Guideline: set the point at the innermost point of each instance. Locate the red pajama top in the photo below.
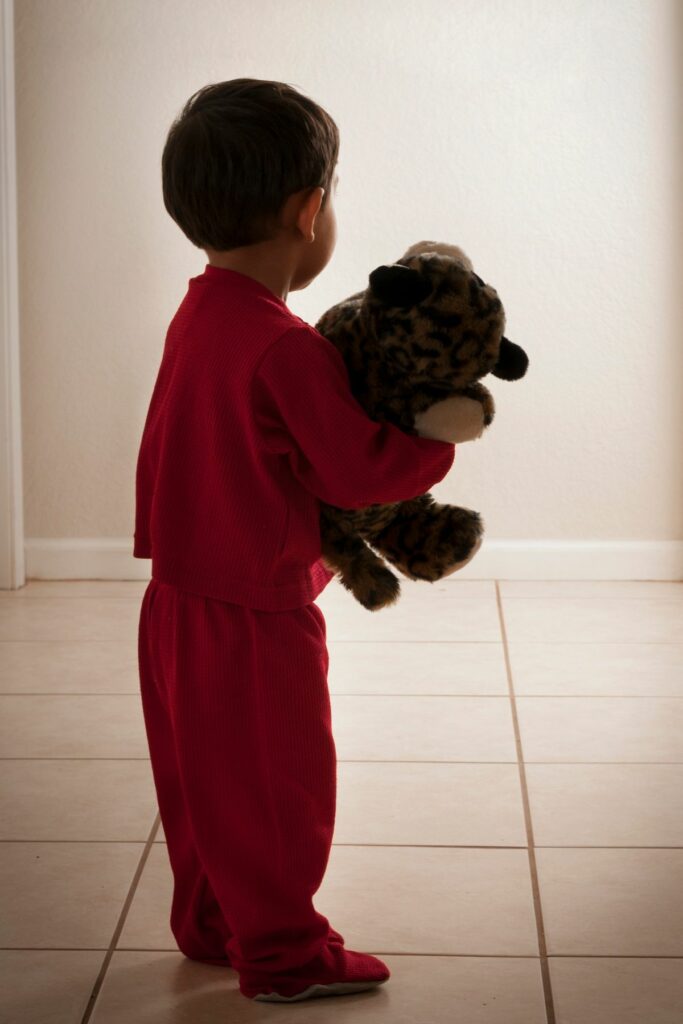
(251, 424)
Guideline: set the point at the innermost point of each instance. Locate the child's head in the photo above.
(250, 165)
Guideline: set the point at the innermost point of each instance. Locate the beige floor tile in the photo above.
(66, 725)
(78, 588)
(588, 669)
(450, 804)
(74, 619)
(368, 728)
(406, 899)
(167, 988)
(396, 899)
(417, 668)
(419, 696)
(612, 902)
(158, 988)
(63, 667)
(601, 728)
(47, 986)
(364, 667)
(606, 804)
(642, 589)
(76, 800)
(596, 620)
(448, 614)
(617, 990)
(418, 592)
(453, 585)
(60, 895)
(147, 924)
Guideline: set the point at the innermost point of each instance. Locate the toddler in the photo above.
(251, 424)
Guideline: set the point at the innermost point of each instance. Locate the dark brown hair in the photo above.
(234, 154)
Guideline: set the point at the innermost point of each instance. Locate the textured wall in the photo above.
(538, 136)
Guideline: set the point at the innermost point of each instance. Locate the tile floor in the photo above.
(509, 835)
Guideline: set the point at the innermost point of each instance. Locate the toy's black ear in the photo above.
(512, 361)
(397, 285)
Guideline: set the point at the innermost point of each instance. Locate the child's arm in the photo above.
(304, 407)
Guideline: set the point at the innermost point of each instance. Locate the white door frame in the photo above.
(12, 563)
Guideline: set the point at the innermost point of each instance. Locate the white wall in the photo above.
(541, 137)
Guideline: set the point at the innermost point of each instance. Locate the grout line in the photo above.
(671, 598)
(357, 760)
(84, 642)
(538, 912)
(616, 956)
(365, 693)
(382, 952)
(119, 925)
(399, 846)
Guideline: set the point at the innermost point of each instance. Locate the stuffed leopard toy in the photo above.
(415, 344)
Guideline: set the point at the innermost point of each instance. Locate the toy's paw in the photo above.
(459, 565)
(470, 536)
(444, 539)
(455, 419)
(375, 589)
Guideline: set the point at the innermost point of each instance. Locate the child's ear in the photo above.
(396, 285)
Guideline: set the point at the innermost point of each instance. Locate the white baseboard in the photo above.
(101, 558)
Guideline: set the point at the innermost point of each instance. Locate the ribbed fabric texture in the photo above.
(251, 424)
(238, 720)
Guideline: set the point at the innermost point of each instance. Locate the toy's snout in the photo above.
(512, 362)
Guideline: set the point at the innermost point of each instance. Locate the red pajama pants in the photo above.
(237, 714)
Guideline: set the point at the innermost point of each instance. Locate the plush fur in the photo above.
(415, 343)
